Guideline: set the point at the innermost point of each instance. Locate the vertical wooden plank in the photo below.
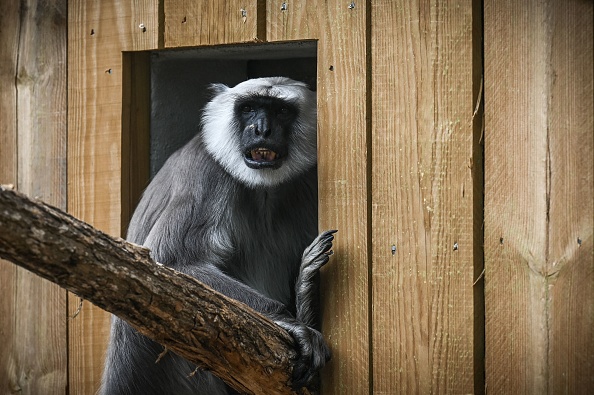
(343, 176)
(93, 165)
(515, 196)
(570, 249)
(190, 22)
(422, 202)
(98, 32)
(41, 102)
(402, 120)
(9, 48)
(538, 196)
(32, 156)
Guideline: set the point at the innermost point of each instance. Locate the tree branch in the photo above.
(242, 347)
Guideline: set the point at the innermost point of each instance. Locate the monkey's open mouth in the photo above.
(263, 155)
(259, 158)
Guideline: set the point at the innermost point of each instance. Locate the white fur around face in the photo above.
(222, 139)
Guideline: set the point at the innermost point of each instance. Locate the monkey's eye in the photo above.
(247, 108)
(283, 110)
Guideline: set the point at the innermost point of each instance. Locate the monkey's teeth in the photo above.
(263, 154)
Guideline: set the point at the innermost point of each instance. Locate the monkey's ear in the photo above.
(216, 89)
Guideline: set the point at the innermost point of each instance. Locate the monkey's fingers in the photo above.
(313, 353)
(320, 247)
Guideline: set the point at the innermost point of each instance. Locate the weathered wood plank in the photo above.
(98, 32)
(9, 49)
(343, 176)
(515, 196)
(32, 156)
(570, 262)
(422, 197)
(10, 22)
(538, 196)
(191, 23)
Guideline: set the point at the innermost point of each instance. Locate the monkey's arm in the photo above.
(313, 350)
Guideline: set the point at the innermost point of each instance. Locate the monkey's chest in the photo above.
(267, 254)
(270, 268)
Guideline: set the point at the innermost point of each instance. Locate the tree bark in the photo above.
(242, 347)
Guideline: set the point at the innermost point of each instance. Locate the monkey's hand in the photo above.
(314, 257)
(313, 352)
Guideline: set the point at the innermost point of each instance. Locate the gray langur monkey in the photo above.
(235, 208)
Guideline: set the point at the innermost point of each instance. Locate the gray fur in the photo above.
(244, 240)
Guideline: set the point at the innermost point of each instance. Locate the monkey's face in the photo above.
(262, 131)
(265, 124)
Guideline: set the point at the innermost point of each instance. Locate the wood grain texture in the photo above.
(422, 197)
(515, 196)
(9, 49)
(98, 32)
(298, 20)
(539, 286)
(203, 22)
(32, 157)
(343, 179)
(571, 198)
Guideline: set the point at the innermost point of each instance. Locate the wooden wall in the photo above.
(33, 105)
(430, 113)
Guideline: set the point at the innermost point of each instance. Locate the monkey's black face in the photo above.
(265, 124)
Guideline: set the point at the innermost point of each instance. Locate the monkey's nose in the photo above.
(265, 133)
(262, 128)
